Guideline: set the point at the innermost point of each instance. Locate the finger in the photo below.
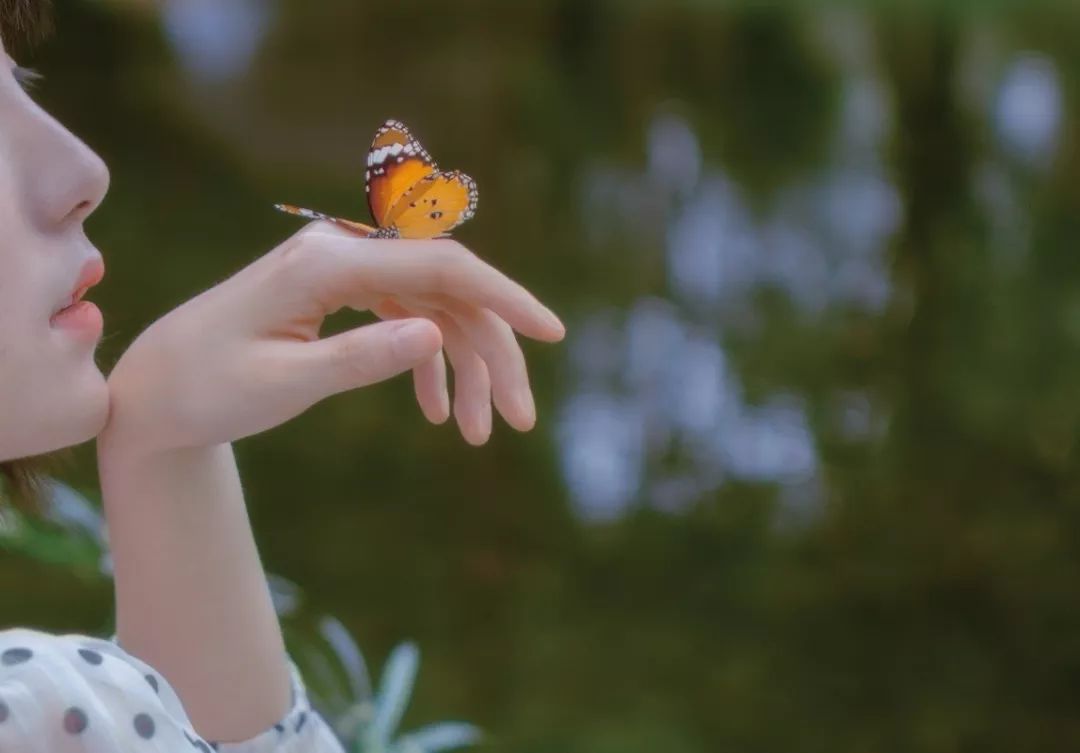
(429, 382)
(343, 266)
(364, 355)
(429, 377)
(472, 384)
(494, 341)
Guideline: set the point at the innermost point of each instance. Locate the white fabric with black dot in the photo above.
(78, 694)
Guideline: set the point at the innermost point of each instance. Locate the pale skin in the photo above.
(238, 359)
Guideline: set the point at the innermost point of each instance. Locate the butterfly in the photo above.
(409, 197)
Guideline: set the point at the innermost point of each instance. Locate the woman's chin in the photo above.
(94, 409)
(100, 416)
(76, 417)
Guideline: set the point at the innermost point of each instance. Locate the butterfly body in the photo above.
(409, 197)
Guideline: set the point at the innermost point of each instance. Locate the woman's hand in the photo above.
(245, 355)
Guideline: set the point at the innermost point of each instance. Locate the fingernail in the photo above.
(554, 322)
(476, 430)
(526, 407)
(412, 340)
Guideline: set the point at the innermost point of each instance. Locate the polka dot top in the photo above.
(78, 694)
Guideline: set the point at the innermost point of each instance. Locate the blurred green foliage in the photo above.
(926, 602)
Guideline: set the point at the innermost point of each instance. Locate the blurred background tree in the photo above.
(805, 473)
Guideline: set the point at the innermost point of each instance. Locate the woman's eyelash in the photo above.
(26, 77)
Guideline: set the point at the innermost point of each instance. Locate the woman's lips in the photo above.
(78, 318)
(91, 274)
(82, 318)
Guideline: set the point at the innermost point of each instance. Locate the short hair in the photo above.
(24, 21)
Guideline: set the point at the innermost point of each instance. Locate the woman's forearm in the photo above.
(191, 594)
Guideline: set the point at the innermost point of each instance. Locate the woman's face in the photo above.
(52, 393)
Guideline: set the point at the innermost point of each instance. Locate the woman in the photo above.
(198, 659)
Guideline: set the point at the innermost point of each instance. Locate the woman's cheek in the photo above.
(52, 393)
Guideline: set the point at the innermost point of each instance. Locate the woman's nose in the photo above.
(70, 180)
(86, 185)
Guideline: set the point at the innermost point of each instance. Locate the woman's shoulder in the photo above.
(62, 680)
(17, 632)
(19, 645)
(71, 691)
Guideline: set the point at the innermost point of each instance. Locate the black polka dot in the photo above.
(144, 725)
(16, 656)
(75, 720)
(92, 657)
(300, 721)
(153, 682)
(4, 712)
(279, 728)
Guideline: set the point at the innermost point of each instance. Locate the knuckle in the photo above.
(347, 352)
(452, 262)
(354, 358)
(461, 255)
(452, 246)
(296, 247)
(298, 255)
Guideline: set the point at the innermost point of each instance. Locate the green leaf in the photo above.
(349, 655)
(395, 689)
(438, 737)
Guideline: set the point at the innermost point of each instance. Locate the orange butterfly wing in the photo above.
(407, 194)
(396, 162)
(435, 205)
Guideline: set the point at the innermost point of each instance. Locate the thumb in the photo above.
(369, 354)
